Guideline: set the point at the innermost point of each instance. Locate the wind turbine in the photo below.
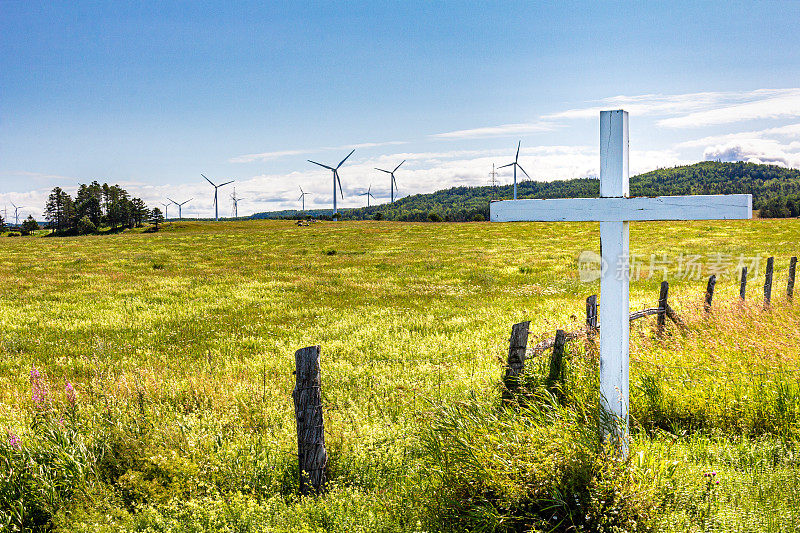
(303, 197)
(392, 182)
(216, 187)
(367, 194)
(16, 212)
(235, 200)
(515, 164)
(335, 178)
(166, 209)
(180, 205)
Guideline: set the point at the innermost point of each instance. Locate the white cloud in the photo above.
(766, 151)
(265, 156)
(764, 105)
(698, 109)
(497, 131)
(648, 104)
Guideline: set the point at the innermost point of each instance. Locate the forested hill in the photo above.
(775, 190)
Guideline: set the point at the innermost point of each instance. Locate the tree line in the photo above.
(93, 207)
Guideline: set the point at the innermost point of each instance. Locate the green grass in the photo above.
(180, 345)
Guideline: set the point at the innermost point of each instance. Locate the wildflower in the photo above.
(70, 390)
(38, 389)
(13, 440)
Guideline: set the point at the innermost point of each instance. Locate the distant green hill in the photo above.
(775, 190)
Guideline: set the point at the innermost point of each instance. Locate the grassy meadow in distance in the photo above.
(179, 345)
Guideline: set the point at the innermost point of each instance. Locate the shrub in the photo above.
(477, 217)
(86, 226)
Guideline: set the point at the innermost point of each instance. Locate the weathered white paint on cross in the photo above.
(613, 210)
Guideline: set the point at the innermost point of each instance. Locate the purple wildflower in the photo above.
(70, 390)
(13, 440)
(38, 389)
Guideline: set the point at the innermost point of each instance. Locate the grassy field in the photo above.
(179, 347)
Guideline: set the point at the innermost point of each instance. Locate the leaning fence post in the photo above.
(662, 307)
(591, 313)
(557, 360)
(768, 282)
(517, 346)
(790, 283)
(307, 395)
(712, 281)
(743, 284)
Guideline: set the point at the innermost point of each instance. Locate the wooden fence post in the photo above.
(662, 307)
(517, 346)
(557, 361)
(790, 283)
(591, 327)
(743, 283)
(768, 282)
(307, 395)
(591, 314)
(712, 281)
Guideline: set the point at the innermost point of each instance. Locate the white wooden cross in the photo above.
(613, 210)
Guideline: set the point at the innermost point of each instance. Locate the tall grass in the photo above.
(179, 345)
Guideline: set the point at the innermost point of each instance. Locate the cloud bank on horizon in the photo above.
(666, 130)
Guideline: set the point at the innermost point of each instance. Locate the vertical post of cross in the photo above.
(614, 292)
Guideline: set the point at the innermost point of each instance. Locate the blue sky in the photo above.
(149, 95)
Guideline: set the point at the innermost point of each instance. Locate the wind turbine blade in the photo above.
(301, 190)
(345, 159)
(173, 201)
(523, 171)
(395, 182)
(517, 158)
(398, 166)
(320, 164)
(208, 180)
(508, 165)
(340, 183)
(387, 171)
(227, 182)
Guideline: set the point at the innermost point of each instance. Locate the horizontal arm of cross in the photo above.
(699, 207)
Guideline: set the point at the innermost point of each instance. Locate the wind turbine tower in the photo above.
(180, 205)
(392, 182)
(335, 178)
(515, 164)
(368, 194)
(235, 201)
(216, 189)
(303, 197)
(166, 209)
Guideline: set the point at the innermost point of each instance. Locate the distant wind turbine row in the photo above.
(337, 182)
